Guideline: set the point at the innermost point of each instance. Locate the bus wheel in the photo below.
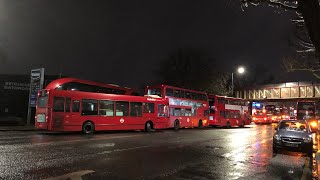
(242, 124)
(149, 126)
(176, 125)
(228, 125)
(200, 125)
(88, 127)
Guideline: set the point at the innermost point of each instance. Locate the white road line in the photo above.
(71, 176)
(67, 142)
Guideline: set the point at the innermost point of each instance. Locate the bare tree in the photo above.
(193, 68)
(187, 67)
(219, 85)
(307, 42)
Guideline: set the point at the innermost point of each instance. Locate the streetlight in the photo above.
(240, 70)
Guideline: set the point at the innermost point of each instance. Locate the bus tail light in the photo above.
(265, 118)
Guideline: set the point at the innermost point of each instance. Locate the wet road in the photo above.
(210, 153)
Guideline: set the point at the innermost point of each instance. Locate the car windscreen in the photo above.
(293, 126)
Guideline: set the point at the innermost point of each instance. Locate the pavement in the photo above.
(209, 153)
(18, 128)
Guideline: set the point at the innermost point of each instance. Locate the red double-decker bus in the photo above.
(61, 109)
(228, 111)
(188, 108)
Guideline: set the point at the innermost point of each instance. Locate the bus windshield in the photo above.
(42, 99)
(154, 91)
(305, 110)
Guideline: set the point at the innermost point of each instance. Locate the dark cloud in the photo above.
(123, 41)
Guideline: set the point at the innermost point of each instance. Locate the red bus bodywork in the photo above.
(74, 84)
(260, 117)
(188, 108)
(228, 111)
(68, 110)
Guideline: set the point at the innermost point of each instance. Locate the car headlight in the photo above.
(277, 137)
(306, 140)
(314, 124)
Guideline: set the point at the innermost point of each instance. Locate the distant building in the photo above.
(14, 98)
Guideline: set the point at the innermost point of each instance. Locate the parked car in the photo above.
(293, 135)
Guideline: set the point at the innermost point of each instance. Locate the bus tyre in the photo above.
(228, 125)
(242, 124)
(200, 125)
(88, 127)
(176, 125)
(149, 126)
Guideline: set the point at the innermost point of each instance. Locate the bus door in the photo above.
(162, 116)
(226, 118)
(136, 120)
(73, 113)
(58, 113)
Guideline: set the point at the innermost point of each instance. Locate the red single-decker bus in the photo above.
(72, 110)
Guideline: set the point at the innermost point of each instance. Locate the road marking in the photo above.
(71, 176)
(306, 169)
(126, 149)
(71, 141)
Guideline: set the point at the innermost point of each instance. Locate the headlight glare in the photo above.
(277, 137)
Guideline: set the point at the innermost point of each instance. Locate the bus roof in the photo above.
(58, 82)
(226, 97)
(173, 87)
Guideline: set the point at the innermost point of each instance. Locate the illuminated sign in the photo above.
(36, 84)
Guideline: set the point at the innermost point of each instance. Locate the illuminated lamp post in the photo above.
(240, 70)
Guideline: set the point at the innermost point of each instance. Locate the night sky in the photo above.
(124, 41)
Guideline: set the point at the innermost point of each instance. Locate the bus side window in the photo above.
(68, 101)
(222, 114)
(188, 95)
(106, 108)
(89, 107)
(58, 104)
(162, 110)
(122, 108)
(136, 109)
(188, 112)
(75, 106)
(169, 92)
(148, 107)
(206, 113)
